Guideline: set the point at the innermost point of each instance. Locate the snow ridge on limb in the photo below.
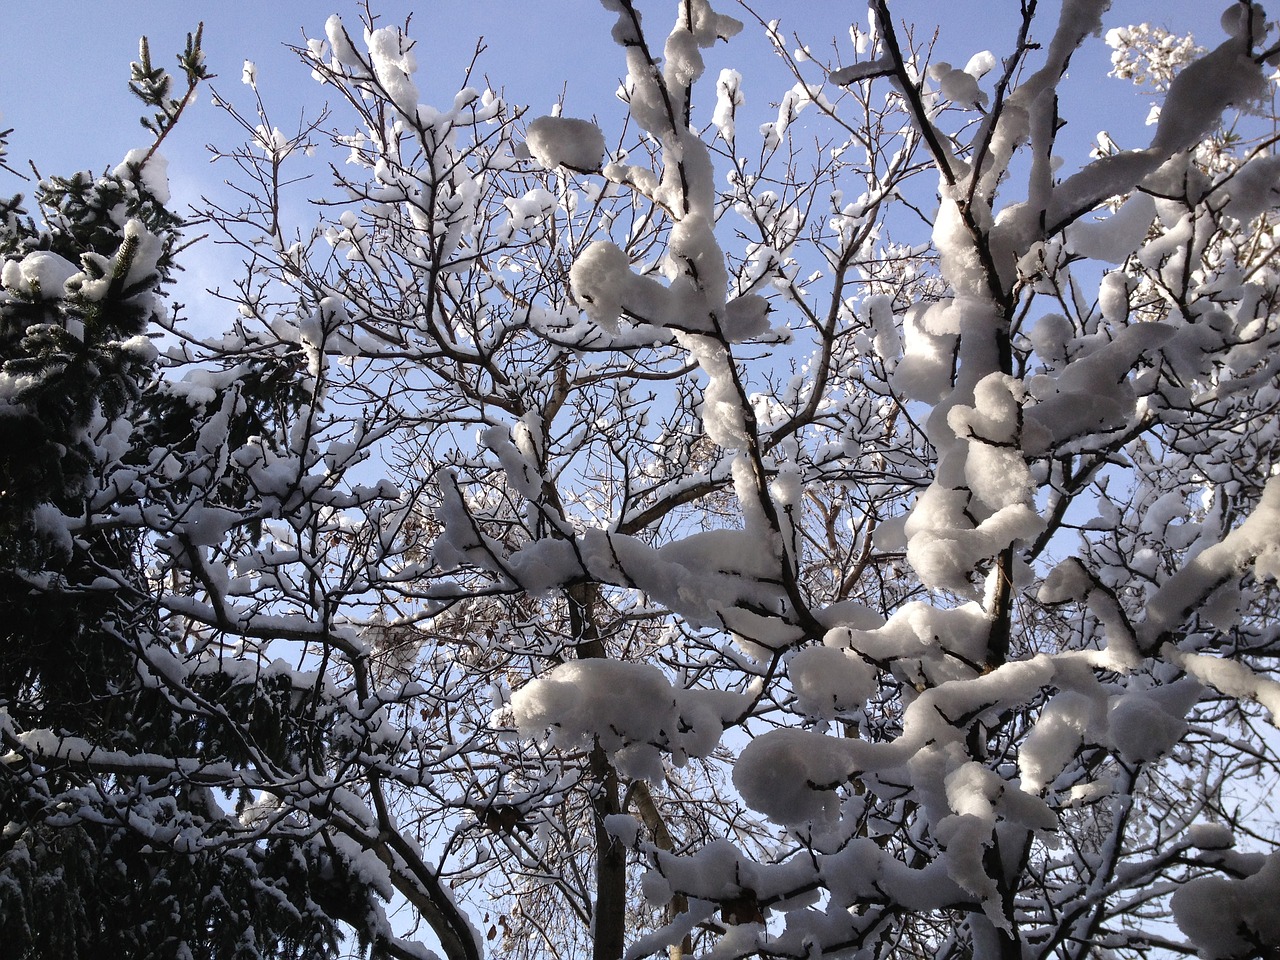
(1227, 76)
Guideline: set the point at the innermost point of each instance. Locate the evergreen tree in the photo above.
(103, 857)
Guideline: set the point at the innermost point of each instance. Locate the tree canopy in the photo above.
(662, 538)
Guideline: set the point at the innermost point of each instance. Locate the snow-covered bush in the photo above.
(610, 539)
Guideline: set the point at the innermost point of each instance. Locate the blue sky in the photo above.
(64, 63)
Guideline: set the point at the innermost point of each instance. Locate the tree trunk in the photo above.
(609, 916)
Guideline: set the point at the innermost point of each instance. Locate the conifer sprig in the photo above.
(153, 85)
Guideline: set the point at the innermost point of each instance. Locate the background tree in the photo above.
(616, 545)
(115, 837)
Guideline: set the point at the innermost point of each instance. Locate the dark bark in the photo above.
(609, 914)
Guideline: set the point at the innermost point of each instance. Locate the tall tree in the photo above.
(659, 542)
(115, 838)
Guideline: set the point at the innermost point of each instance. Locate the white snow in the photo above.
(393, 66)
(631, 709)
(1255, 542)
(1221, 915)
(154, 174)
(605, 286)
(866, 70)
(566, 142)
(340, 44)
(728, 98)
(829, 681)
(789, 775)
(1227, 76)
(958, 86)
(41, 273)
(1117, 235)
(1145, 724)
